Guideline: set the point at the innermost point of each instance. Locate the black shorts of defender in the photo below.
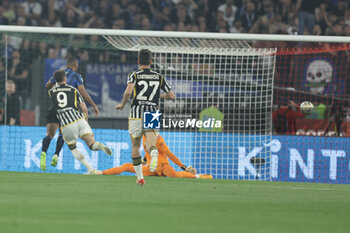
(51, 117)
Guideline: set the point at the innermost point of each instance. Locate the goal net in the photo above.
(214, 80)
(226, 119)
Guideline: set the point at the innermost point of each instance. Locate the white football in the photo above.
(306, 107)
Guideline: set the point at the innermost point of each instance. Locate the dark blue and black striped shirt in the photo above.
(73, 78)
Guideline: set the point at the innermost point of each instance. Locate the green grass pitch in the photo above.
(65, 203)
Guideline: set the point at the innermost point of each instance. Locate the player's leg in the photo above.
(51, 129)
(59, 145)
(147, 172)
(81, 158)
(135, 131)
(95, 145)
(70, 136)
(151, 140)
(169, 171)
(86, 134)
(127, 167)
(136, 159)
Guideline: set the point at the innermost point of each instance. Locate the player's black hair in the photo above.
(71, 61)
(145, 57)
(59, 75)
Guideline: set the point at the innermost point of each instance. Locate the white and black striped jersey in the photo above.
(65, 100)
(146, 91)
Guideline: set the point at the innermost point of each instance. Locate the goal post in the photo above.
(237, 79)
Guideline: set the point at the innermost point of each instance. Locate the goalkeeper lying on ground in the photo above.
(163, 168)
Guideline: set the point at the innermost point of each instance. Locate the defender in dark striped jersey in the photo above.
(145, 85)
(65, 100)
(74, 79)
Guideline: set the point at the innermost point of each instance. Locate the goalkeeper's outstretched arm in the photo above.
(164, 148)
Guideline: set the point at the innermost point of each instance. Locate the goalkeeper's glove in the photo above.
(189, 169)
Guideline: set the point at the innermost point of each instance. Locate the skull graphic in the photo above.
(318, 76)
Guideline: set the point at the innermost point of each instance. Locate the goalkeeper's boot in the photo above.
(104, 148)
(54, 160)
(206, 176)
(43, 161)
(140, 182)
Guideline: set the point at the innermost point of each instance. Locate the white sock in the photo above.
(197, 176)
(86, 164)
(138, 171)
(95, 146)
(80, 157)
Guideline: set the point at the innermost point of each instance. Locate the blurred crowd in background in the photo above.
(316, 17)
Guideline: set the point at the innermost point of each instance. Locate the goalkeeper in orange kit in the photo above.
(163, 168)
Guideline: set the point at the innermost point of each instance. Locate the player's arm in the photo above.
(51, 83)
(83, 108)
(172, 156)
(164, 148)
(88, 99)
(128, 91)
(126, 96)
(169, 94)
(81, 103)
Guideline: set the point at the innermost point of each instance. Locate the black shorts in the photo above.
(51, 117)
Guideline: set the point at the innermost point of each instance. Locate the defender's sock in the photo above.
(59, 144)
(46, 143)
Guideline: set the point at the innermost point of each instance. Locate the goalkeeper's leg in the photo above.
(127, 167)
(170, 172)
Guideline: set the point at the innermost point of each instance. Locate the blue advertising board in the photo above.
(225, 156)
(106, 84)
